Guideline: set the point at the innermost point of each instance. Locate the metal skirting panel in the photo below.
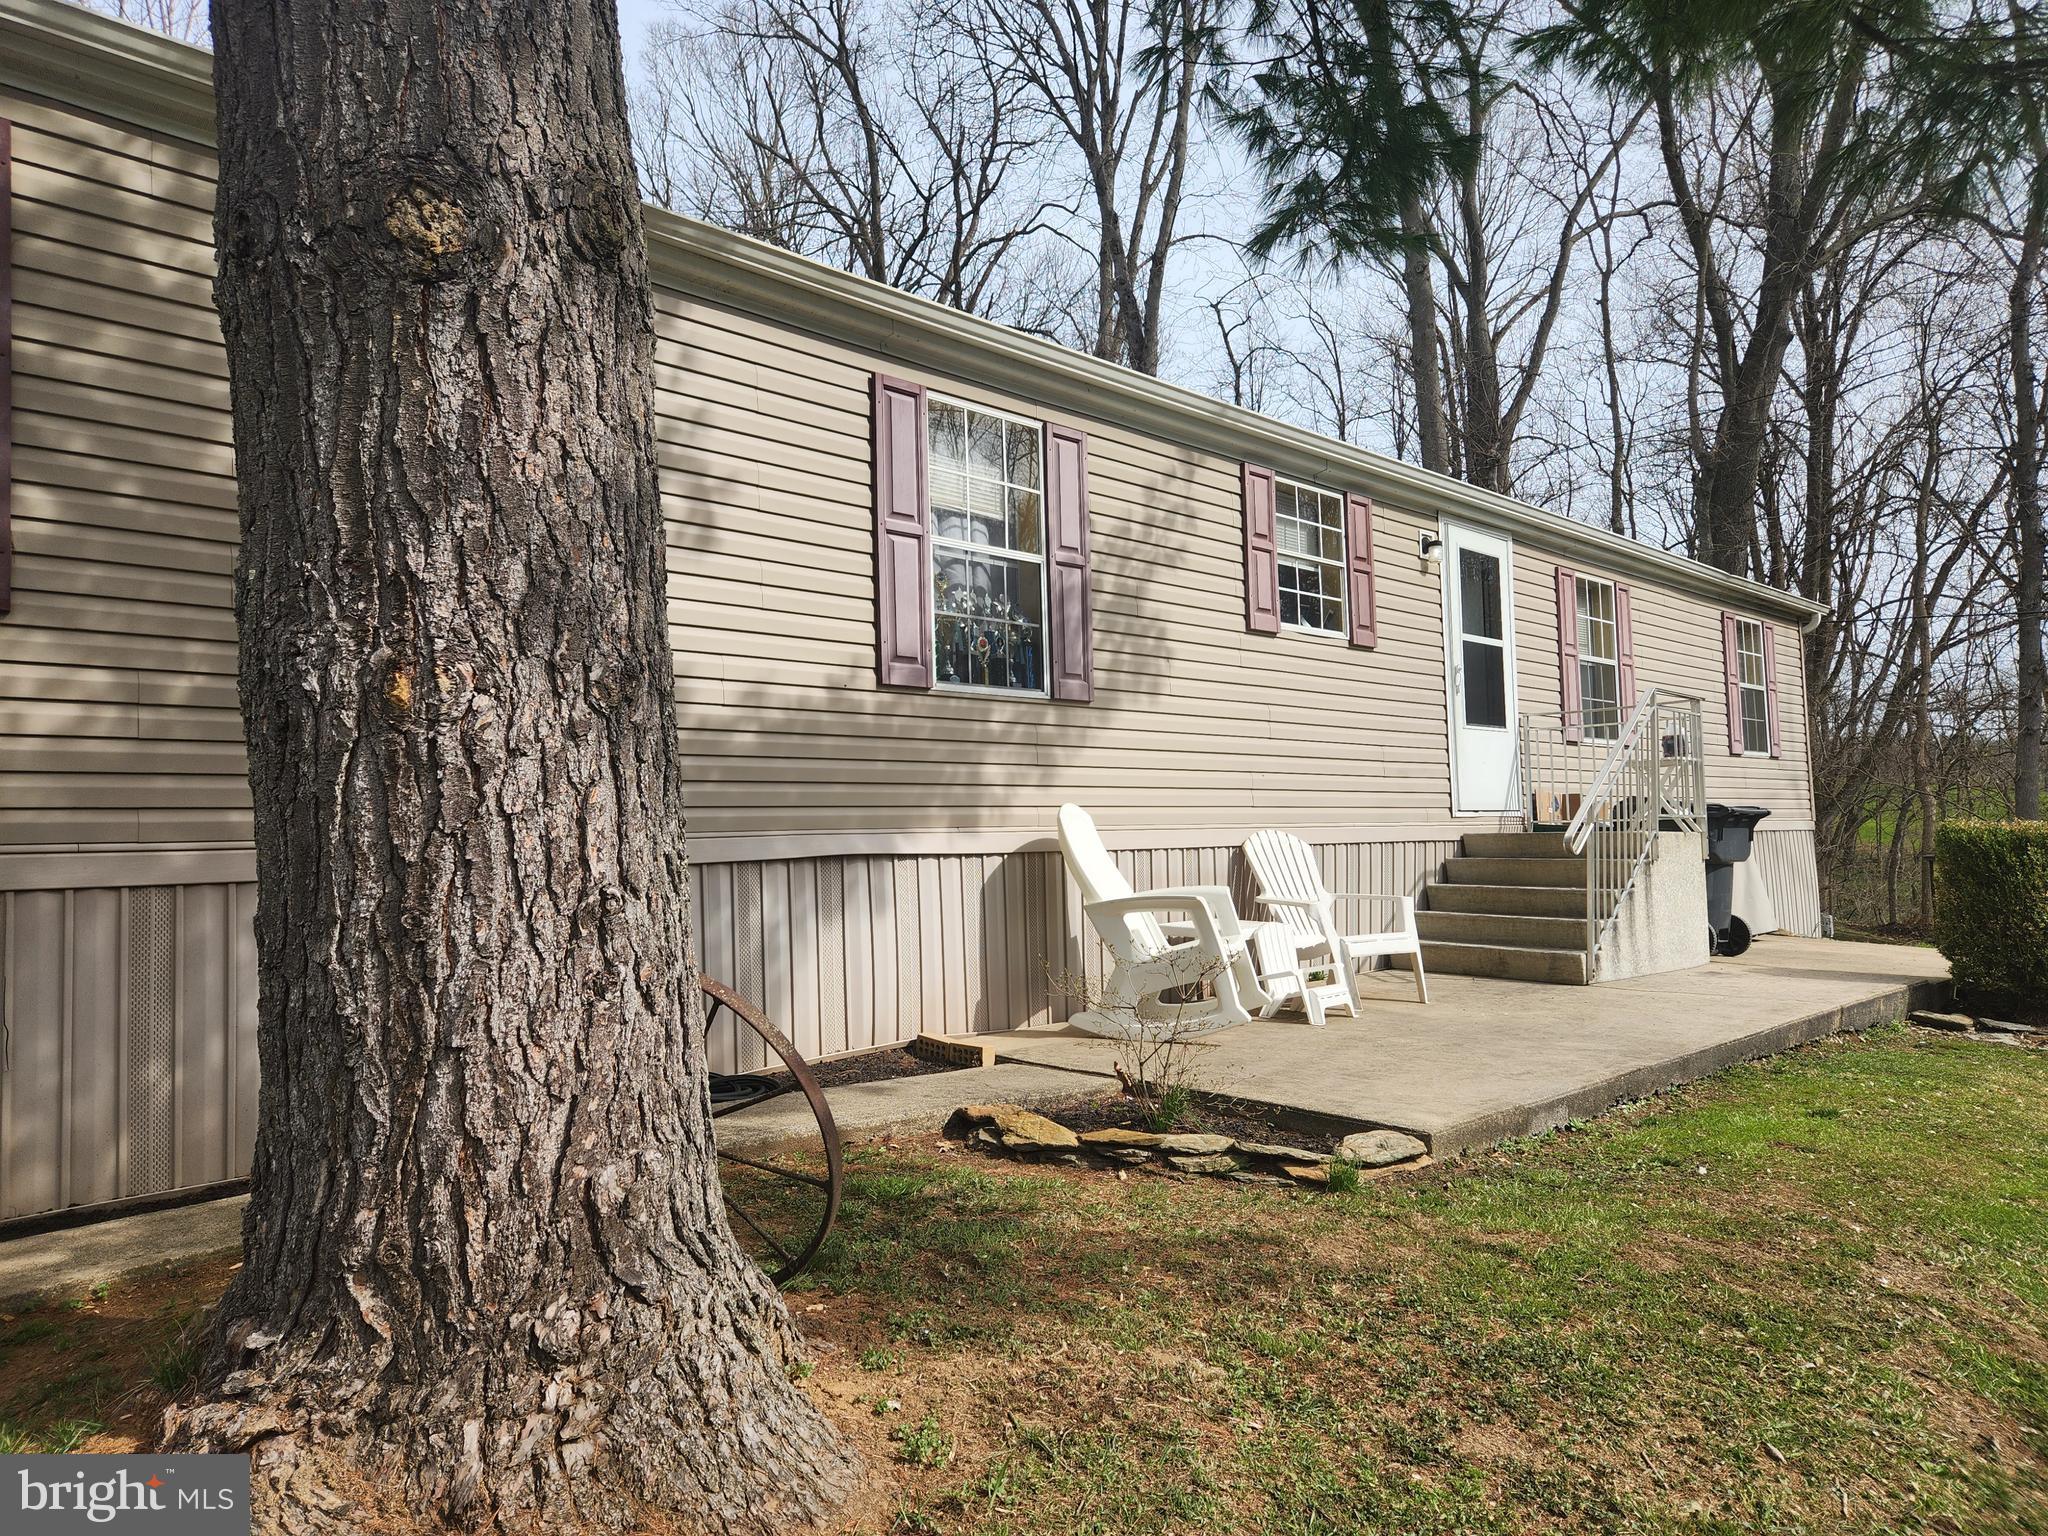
(1792, 877)
(130, 1014)
(853, 952)
(129, 1043)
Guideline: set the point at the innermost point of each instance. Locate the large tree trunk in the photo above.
(1432, 433)
(2029, 543)
(486, 1270)
(1922, 651)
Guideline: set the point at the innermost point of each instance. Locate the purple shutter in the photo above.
(1569, 701)
(1771, 686)
(1261, 554)
(1358, 588)
(1625, 651)
(6, 366)
(1070, 625)
(1731, 666)
(903, 539)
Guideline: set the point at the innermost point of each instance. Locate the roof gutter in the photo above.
(49, 48)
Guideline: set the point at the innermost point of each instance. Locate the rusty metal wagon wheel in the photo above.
(782, 1206)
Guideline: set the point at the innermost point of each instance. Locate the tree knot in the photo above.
(429, 227)
(600, 219)
(398, 690)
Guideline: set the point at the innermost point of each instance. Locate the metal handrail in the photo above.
(1687, 809)
(1651, 770)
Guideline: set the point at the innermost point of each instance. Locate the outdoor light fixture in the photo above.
(1432, 551)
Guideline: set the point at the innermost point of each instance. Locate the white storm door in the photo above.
(1479, 633)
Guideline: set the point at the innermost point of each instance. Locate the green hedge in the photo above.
(1991, 910)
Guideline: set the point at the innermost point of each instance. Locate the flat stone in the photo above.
(1308, 1173)
(1381, 1149)
(1121, 1136)
(1194, 1144)
(2008, 1027)
(1285, 1154)
(1020, 1128)
(1954, 1023)
(1372, 1174)
(1214, 1162)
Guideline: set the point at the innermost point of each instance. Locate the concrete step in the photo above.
(1516, 845)
(1506, 900)
(1502, 929)
(1509, 962)
(1490, 871)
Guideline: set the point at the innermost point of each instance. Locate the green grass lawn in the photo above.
(1809, 1295)
(1814, 1285)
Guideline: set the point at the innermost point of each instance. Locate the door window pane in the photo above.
(1479, 593)
(1486, 684)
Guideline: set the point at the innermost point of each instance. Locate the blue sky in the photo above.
(635, 16)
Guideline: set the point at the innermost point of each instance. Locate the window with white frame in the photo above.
(1755, 695)
(987, 478)
(1308, 528)
(1599, 660)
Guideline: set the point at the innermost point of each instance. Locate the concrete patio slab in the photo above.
(1492, 1059)
(72, 1260)
(1485, 1060)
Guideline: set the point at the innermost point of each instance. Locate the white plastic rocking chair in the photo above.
(1210, 949)
(1291, 887)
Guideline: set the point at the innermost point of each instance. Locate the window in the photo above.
(988, 549)
(1308, 531)
(1599, 660)
(1482, 640)
(1756, 704)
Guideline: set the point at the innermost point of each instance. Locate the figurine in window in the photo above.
(947, 642)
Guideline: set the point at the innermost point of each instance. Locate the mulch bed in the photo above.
(1244, 1122)
(869, 1067)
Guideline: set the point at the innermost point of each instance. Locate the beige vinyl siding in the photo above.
(1677, 646)
(1195, 723)
(118, 719)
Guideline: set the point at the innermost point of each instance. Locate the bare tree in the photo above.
(185, 20)
(2023, 234)
(877, 137)
(1121, 81)
(1826, 152)
(1245, 327)
(1507, 227)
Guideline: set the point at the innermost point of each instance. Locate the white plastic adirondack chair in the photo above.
(1149, 957)
(1291, 886)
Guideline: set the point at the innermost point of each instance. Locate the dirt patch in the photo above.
(94, 1373)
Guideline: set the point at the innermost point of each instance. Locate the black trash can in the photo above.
(1730, 831)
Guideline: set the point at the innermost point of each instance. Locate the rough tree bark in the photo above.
(486, 1268)
(1418, 290)
(2028, 542)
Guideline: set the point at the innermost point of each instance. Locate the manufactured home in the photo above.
(929, 579)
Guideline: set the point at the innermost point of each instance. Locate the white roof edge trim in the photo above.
(91, 61)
